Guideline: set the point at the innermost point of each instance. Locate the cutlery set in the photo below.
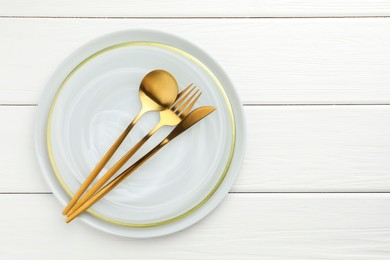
(159, 93)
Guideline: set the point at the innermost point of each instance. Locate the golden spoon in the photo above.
(157, 92)
(191, 119)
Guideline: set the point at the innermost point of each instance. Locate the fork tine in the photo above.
(182, 99)
(189, 107)
(183, 92)
(185, 104)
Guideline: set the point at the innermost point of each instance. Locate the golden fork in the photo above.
(169, 117)
(195, 116)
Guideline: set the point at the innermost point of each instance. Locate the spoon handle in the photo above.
(99, 166)
(111, 172)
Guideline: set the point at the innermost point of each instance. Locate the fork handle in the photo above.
(112, 184)
(111, 172)
(99, 166)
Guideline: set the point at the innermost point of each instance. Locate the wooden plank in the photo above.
(19, 167)
(245, 226)
(189, 8)
(321, 148)
(290, 149)
(275, 61)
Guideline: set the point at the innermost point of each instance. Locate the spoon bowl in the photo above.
(158, 90)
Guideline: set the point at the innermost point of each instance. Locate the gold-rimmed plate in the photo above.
(92, 97)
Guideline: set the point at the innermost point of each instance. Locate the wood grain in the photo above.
(245, 226)
(278, 62)
(312, 149)
(189, 8)
(290, 149)
(271, 61)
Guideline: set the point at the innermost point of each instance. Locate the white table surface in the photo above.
(314, 77)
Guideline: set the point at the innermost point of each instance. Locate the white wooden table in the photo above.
(314, 77)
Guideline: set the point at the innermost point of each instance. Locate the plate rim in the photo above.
(222, 175)
(145, 36)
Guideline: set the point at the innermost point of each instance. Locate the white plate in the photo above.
(93, 96)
